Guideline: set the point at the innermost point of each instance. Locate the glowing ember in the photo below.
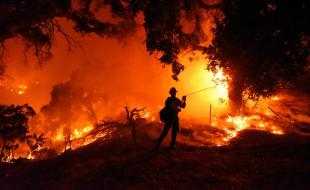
(21, 89)
(30, 156)
(148, 116)
(275, 98)
(14, 86)
(276, 130)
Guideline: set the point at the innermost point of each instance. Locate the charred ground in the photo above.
(254, 160)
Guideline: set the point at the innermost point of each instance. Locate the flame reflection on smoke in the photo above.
(137, 80)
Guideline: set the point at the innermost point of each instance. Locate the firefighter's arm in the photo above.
(183, 102)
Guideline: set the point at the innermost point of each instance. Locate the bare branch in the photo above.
(68, 38)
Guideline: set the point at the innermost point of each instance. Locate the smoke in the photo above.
(91, 83)
(97, 81)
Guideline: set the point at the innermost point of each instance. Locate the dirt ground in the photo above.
(254, 160)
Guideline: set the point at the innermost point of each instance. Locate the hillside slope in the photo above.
(254, 160)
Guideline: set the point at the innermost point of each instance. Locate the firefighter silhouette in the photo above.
(169, 115)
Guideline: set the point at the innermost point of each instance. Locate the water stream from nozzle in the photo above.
(198, 91)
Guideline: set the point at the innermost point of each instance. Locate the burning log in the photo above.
(274, 111)
(99, 130)
(279, 115)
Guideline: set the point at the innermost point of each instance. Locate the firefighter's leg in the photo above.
(175, 129)
(163, 135)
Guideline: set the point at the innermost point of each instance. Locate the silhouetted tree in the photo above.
(132, 116)
(63, 107)
(263, 45)
(13, 126)
(36, 22)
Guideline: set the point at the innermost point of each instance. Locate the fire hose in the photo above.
(198, 91)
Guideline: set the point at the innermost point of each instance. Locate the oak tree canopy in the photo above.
(262, 45)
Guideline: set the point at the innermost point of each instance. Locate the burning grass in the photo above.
(252, 158)
(70, 120)
(223, 128)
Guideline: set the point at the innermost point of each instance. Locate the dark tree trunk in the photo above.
(235, 94)
(2, 151)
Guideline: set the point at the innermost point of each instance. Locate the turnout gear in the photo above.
(169, 115)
